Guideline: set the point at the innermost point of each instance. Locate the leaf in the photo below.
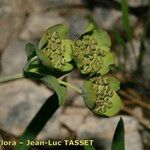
(31, 69)
(114, 83)
(30, 50)
(31, 64)
(91, 24)
(102, 37)
(32, 75)
(35, 70)
(68, 44)
(118, 139)
(38, 122)
(89, 147)
(125, 17)
(51, 81)
(42, 41)
(67, 67)
(60, 28)
(108, 59)
(89, 94)
(44, 59)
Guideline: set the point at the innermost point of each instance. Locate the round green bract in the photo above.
(54, 50)
(100, 95)
(92, 53)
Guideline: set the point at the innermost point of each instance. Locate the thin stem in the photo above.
(11, 77)
(20, 75)
(70, 85)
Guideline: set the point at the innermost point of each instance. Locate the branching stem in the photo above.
(70, 85)
(20, 75)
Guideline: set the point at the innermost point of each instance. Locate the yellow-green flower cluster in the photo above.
(102, 98)
(103, 94)
(92, 54)
(55, 51)
(89, 54)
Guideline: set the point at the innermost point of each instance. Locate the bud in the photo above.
(54, 51)
(92, 52)
(100, 95)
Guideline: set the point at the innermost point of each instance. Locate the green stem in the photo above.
(11, 77)
(70, 85)
(20, 75)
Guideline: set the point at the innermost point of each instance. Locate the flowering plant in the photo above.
(56, 56)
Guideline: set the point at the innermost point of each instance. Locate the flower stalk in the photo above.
(20, 75)
(70, 85)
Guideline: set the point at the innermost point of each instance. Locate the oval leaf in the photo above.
(89, 94)
(102, 37)
(30, 50)
(51, 81)
(42, 41)
(114, 83)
